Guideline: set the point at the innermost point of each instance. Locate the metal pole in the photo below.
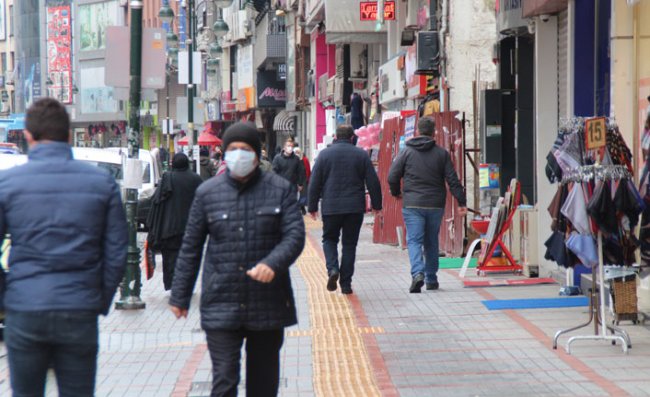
(131, 285)
(169, 127)
(190, 86)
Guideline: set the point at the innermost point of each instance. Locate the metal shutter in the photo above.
(562, 63)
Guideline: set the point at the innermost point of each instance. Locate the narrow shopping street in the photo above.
(380, 341)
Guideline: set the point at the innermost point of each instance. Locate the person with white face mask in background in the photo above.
(255, 233)
(290, 167)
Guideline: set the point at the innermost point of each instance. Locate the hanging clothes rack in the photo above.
(602, 173)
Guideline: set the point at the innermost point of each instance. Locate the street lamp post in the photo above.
(190, 86)
(131, 285)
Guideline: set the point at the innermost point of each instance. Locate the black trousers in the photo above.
(262, 361)
(346, 227)
(169, 263)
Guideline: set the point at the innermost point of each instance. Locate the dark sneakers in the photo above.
(331, 281)
(346, 290)
(433, 286)
(417, 283)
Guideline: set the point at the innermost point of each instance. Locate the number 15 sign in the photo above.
(596, 133)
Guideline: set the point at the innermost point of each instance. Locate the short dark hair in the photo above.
(344, 131)
(426, 126)
(47, 120)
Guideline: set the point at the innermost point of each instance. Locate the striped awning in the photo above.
(284, 122)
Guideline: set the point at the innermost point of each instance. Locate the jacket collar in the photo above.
(243, 186)
(339, 141)
(51, 151)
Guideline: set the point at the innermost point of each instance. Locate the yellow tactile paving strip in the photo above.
(341, 363)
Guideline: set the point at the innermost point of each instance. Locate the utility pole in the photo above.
(190, 87)
(131, 285)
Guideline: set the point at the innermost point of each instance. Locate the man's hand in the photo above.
(262, 273)
(178, 312)
(462, 211)
(313, 215)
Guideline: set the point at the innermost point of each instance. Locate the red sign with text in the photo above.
(369, 10)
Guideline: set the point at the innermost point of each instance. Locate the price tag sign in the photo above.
(596, 133)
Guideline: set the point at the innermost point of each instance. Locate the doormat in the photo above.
(544, 303)
(455, 263)
(507, 283)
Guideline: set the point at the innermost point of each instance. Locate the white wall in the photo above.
(472, 34)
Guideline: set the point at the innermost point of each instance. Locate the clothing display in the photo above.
(596, 194)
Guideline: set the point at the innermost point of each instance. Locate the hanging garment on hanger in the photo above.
(601, 208)
(575, 209)
(558, 222)
(584, 247)
(618, 149)
(626, 203)
(556, 250)
(570, 154)
(553, 169)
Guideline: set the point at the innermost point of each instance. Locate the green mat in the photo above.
(456, 263)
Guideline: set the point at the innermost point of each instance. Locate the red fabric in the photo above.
(305, 161)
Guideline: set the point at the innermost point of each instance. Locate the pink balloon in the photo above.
(361, 132)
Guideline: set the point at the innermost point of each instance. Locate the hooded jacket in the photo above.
(425, 167)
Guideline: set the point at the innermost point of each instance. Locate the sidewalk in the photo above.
(381, 341)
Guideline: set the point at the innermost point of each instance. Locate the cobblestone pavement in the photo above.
(379, 341)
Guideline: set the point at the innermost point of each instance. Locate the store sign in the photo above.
(368, 10)
(282, 71)
(271, 93)
(596, 133)
(59, 58)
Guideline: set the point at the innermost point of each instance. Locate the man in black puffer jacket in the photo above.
(290, 167)
(255, 232)
(424, 167)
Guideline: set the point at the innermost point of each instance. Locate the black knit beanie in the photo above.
(180, 162)
(243, 132)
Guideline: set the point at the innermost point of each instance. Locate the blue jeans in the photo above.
(422, 229)
(347, 228)
(64, 340)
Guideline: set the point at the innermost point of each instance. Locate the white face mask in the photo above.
(288, 150)
(240, 162)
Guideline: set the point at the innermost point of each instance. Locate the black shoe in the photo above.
(347, 290)
(417, 283)
(331, 281)
(433, 286)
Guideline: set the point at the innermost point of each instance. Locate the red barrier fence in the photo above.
(449, 135)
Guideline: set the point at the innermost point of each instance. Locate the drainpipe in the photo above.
(443, 54)
(635, 91)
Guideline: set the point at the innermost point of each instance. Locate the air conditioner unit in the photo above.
(331, 87)
(248, 28)
(338, 90)
(428, 54)
(4, 107)
(322, 87)
(412, 17)
(241, 26)
(9, 77)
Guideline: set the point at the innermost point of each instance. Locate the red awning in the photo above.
(205, 139)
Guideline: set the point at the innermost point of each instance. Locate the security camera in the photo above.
(544, 17)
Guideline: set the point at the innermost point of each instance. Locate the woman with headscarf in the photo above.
(169, 213)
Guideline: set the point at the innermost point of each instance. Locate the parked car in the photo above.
(113, 160)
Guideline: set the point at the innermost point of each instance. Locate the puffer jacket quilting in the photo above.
(246, 225)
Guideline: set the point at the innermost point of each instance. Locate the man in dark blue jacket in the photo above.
(425, 168)
(68, 255)
(255, 232)
(340, 177)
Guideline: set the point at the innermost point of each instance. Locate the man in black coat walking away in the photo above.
(340, 177)
(255, 232)
(170, 209)
(290, 167)
(425, 167)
